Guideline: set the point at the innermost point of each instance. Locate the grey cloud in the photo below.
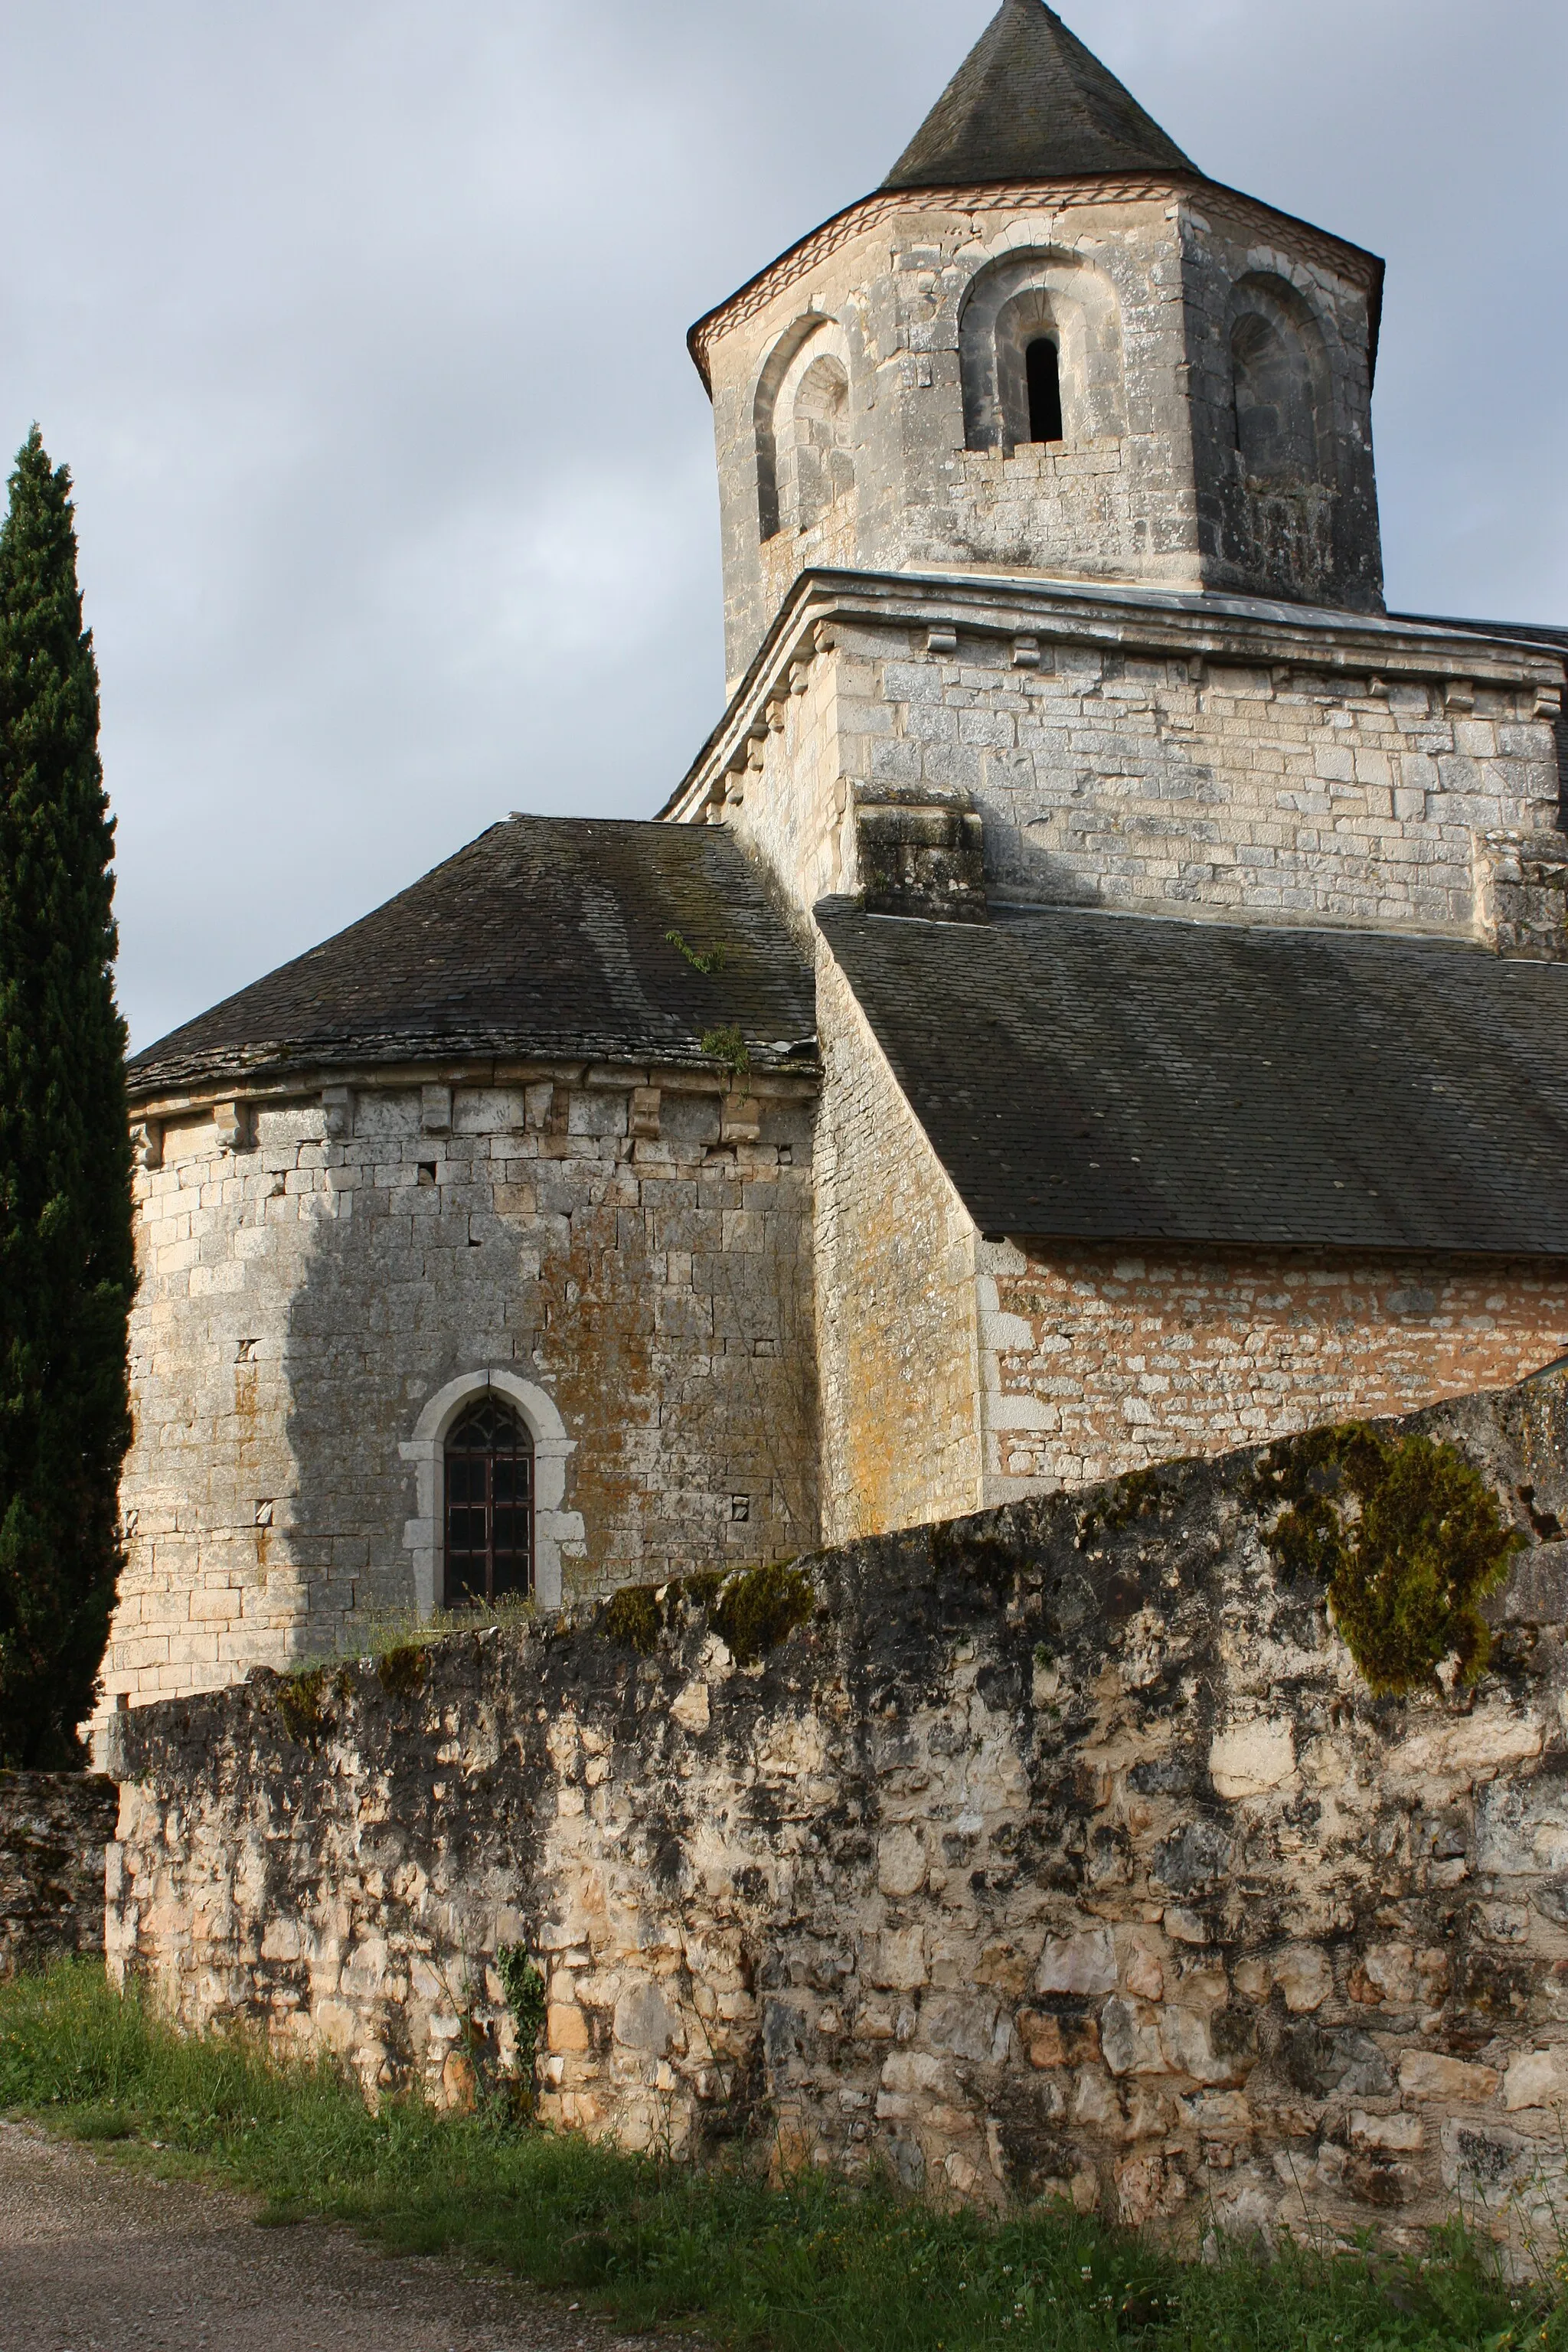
(361, 328)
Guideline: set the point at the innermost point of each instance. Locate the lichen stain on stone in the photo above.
(1408, 1537)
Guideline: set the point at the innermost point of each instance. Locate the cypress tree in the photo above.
(66, 1271)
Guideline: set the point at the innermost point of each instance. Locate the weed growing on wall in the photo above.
(524, 1985)
(301, 1703)
(401, 1670)
(761, 1607)
(1408, 1538)
(752, 1611)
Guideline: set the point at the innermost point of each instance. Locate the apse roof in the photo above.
(1097, 1077)
(1030, 102)
(548, 939)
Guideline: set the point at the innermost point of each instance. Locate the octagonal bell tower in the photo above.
(1048, 346)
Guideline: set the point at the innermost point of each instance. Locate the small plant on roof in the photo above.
(707, 963)
(728, 1046)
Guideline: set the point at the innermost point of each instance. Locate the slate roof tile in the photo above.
(1030, 102)
(1101, 1076)
(545, 939)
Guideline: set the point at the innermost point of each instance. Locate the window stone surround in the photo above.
(553, 1526)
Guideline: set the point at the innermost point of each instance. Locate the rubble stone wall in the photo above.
(1097, 1360)
(314, 1272)
(54, 1830)
(1061, 1850)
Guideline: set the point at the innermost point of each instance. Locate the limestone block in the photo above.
(1426, 2074)
(1084, 1963)
(901, 1863)
(1537, 2078)
(1248, 1759)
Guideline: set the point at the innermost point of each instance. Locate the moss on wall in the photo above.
(752, 1611)
(1408, 1538)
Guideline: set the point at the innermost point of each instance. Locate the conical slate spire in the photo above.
(1030, 102)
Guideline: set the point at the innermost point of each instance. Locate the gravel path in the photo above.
(94, 2255)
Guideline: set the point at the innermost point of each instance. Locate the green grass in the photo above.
(814, 2265)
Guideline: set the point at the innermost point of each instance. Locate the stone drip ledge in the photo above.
(1058, 1849)
(54, 1829)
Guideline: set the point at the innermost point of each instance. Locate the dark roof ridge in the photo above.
(1031, 100)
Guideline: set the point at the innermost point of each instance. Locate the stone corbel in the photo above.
(436, 1110)
(338, 1112)
(921, 858)
(643, 1117)
(147, 1143)
(231, 1122)
(740, 1119)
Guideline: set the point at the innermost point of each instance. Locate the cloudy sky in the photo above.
(360, 323)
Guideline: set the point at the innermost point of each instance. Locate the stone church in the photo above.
(1100, 993)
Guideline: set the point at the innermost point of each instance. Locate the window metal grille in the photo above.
(490, 1506)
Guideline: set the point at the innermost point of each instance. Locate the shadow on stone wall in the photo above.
(54, 1829)
(692, 1412)
(1062, 1849)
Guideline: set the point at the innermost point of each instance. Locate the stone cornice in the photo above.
(1335, 252)
(1338, 646)
(161, 1104)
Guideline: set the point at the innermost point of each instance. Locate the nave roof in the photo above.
(1099, 1076)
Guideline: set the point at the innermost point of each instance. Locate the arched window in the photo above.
(1039, 348)
(490, 1505)
(824, 468)
(1043, 364)
(805, 455)
(1275, 431)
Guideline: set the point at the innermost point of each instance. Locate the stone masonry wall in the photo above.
(1062, 1850)
(54, 1830)
(1099, 1360)
(1292, 776)
(1146, 483)
(313, 1271)
(1116, 779)
(896, 1309)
